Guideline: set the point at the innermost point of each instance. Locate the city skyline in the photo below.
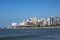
(35, 22)
(18, 10)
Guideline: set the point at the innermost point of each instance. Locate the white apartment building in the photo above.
(41, 22)
(58, 20)
(34, 20)
(22, 23)
(14, 25)
(51, 20)
(48, 21)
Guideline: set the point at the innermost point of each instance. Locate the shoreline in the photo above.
(39, 27)
(32, 27)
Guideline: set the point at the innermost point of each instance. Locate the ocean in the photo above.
(30, 34)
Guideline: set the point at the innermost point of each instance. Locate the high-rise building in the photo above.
(38, 22)
(51, 20)
(58, 20)
(14, 25)
(41, 22)
(54, 22)
(34, 21)
(29, 22)
(22, 23)
(48, 21)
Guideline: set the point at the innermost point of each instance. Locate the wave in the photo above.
(29, 36)
(22, 35)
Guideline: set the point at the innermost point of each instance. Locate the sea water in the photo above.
(30, 34)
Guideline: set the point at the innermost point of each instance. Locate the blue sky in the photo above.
(18, 10)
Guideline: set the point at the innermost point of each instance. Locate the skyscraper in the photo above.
(48, 21)
(51, 20)
(58, 20)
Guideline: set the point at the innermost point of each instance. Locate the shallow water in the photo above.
(30, 34)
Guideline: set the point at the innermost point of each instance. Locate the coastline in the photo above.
(37, 27)
(32, 27)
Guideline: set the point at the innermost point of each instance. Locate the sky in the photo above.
(18, 10)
